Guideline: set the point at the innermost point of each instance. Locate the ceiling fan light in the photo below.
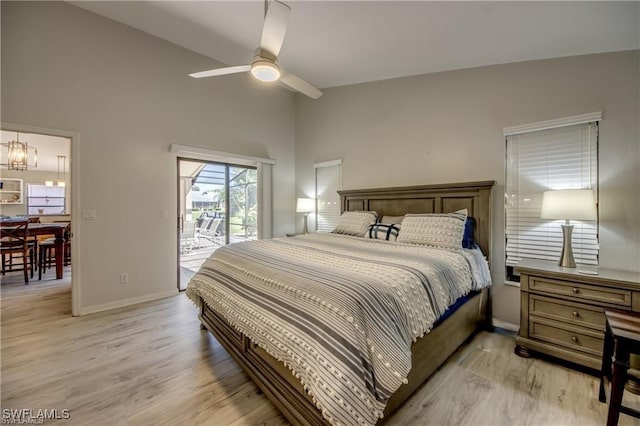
(265, 71)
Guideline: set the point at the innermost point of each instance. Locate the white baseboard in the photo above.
(127, 302)
(505, 325)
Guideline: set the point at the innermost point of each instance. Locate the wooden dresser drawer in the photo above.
(576, 338)
(579, 291)
(570, 312)
(213, 320)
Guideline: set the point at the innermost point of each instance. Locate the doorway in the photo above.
(217, 205)
(39, 187)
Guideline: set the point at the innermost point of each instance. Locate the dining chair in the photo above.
(46, 255)
(15, 241)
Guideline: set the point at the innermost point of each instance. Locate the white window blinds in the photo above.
(536, 161)
(328, 182)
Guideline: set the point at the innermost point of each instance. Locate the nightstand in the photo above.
(562, 310)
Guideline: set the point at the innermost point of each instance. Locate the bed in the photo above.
(300, 387)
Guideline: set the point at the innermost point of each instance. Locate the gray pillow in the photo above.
(443, 230)
(355, 223)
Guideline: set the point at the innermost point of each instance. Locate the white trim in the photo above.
(199, 153)
(504, 325)
(76, 225)
(128, 302)
(265, 209)
(552, 124)
(328, 163)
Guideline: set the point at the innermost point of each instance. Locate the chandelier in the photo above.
(18, 155)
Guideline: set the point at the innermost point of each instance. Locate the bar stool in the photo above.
(621, 338)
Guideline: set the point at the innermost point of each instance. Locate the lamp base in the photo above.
(566, 258)
(305, 230)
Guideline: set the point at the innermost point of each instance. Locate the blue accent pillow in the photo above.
(467, 236)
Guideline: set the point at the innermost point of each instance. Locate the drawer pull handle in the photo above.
(576, 290)
(575, 314)
(574, 339)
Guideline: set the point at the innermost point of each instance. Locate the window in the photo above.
(42, 199)
(328, 182)
(548, 156)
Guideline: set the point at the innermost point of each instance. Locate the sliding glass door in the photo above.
(217, 205)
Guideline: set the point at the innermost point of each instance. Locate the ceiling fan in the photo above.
(264, 66)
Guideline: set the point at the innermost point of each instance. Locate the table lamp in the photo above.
(306, 206)
(568, 204)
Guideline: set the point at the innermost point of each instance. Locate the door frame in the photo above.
(179, 201)
(263, 165)
(76, 226)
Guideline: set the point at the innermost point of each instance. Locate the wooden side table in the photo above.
(562, 309)
(621, 338)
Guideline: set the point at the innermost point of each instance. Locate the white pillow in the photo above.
(434, 229)
(355, 223)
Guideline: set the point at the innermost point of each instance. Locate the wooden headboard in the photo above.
(442, 198)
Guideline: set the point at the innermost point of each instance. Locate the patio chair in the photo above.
(209, 230)
(188, 238)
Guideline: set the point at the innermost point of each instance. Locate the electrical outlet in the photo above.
(124, 278)
(88, 214)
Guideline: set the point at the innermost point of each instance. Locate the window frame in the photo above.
(332, 213)
(29, 197)
(511, 277)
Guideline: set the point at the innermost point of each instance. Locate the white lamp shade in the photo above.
(305, 205)
(569, 204)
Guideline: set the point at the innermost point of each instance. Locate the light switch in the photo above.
(88, 214)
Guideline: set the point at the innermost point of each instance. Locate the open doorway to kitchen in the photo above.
(217, 205)
(35, 186)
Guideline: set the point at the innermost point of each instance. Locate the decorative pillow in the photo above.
(380, 231)
(467, 239)
(355, 223)
(435, 229)
(392, 220)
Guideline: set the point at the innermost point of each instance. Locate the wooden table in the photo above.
(56, 229)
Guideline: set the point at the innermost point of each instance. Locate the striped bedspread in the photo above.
(340, 312)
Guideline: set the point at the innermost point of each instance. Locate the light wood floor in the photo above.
(152, 365)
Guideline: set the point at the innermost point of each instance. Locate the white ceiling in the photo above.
(335, 43)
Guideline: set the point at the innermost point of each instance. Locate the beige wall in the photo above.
(447, 127)
(128, 96)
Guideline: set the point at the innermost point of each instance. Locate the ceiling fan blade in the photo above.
(300, 85)
(275, 26)
(221, 71)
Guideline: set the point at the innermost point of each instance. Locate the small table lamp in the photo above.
(306, 206)
(567, 204)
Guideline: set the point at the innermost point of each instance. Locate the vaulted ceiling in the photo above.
(334, 43)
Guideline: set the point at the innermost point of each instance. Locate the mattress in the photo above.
(340, 312)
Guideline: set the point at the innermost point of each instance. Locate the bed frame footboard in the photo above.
(286, 392)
